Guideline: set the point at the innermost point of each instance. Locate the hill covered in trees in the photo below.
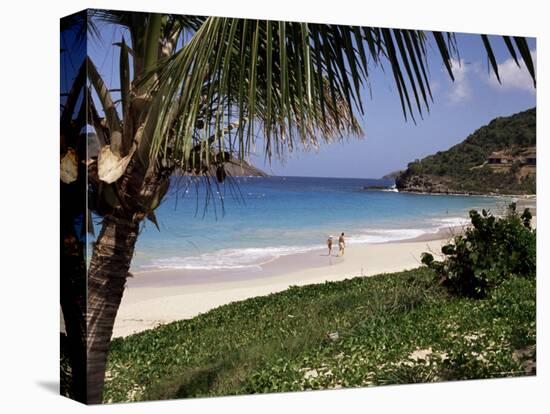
(497, 158)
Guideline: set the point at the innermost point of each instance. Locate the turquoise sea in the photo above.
(247, 222)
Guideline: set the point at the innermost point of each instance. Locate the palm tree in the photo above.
(73, 122)
(198, 92)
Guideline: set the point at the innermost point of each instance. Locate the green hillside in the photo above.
(464, 168)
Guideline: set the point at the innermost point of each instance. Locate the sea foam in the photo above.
(256, 257)
(229, 259)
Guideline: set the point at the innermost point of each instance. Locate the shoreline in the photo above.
(276, 266)
(158, 297)
(206, 264)
(472, 194)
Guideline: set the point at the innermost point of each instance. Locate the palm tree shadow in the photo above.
(199, 380)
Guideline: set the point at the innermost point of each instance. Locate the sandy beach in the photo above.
(159, 297)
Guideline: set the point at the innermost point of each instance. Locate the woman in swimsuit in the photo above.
(329, 245)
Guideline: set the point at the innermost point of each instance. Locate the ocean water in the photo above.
(248, 222)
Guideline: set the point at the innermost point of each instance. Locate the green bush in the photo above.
(490, 251)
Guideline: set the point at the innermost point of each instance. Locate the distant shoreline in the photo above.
(522, 199)
(471, 194)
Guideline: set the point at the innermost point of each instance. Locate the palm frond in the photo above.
(525, 53)
(490, 55)
(287, 83)
(82, 25)
(265, 73)
(172, 26)
(76, 92)
(113, 120)
(124, 73)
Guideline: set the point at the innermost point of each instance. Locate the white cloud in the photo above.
(512, 76)
(460, 90)
(435, 86)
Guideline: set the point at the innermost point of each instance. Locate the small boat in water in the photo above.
(392, 188)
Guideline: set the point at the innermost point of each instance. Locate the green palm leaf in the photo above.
(283, 84)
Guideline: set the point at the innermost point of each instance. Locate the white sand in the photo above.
(150, 300)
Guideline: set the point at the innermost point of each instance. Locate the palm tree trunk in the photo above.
(73, 283)
(107, 275)
(73, 306)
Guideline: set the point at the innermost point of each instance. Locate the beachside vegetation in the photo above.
(492, 250)
(464, 168)
(388, 329)
(398, 328)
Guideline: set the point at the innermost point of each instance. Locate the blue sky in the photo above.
(390, 142)
(459, 108)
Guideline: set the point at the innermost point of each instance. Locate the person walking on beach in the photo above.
(329, 245)
(341, 244)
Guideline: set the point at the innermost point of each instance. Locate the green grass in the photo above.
(392, 329)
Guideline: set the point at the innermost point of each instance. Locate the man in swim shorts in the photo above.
(341, 244)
